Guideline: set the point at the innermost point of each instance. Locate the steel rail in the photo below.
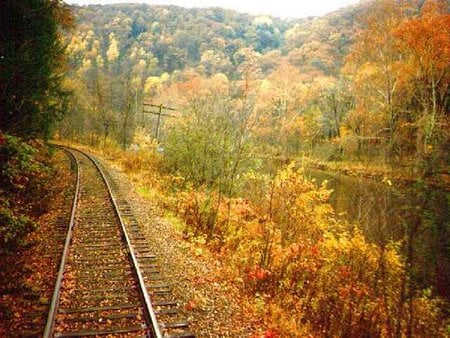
(57, 291)
(153, 326)
(146, 297)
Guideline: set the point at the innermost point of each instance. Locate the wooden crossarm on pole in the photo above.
(159, 113)
(156, 113)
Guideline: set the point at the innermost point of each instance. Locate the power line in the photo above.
(159, 113)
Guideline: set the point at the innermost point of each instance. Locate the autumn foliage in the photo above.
(399, 67)
(368, 86)
(310, 273)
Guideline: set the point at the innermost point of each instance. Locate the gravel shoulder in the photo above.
(215, 305)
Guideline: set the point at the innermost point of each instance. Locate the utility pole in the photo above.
(159, 113)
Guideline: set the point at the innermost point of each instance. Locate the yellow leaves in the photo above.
(76, 44)
(285, 79)
(345, 131)
(387, 181)
(367, 71)
(323, 83)
(265, 86)
(262, 20)
(153, 84)
(165, 77)
(113, 50)
(86, 64)
(213, 61)
(135, 81)
(298, 207)
(220, 78)
(99, 61)
(219, 83)
(198, 252)
(141, 65)
(290, 255)
(144, 140)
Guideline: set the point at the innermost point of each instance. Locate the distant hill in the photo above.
(170, 38)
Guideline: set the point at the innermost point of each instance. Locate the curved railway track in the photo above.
(108, 283)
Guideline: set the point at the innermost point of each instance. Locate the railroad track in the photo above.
(109, 283)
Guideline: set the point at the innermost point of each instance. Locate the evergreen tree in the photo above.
(31, 65)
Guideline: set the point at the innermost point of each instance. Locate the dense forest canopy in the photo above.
(180, 38)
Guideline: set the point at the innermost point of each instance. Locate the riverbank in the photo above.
(400, 176)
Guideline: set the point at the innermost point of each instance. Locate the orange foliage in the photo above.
(425, 40)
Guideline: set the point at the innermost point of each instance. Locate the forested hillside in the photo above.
(336, 86)
(123, 53)
(209, 40)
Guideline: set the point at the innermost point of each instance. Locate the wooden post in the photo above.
(160, 114)
(158, 125)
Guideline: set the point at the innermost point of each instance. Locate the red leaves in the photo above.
(344, 271)
(270, 334)
(315, 251)
(353, 291)
(258, 274)
(426, 39)
(191, 305)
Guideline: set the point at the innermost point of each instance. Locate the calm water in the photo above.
(388, 213)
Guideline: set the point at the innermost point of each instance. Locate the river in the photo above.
(386, 212)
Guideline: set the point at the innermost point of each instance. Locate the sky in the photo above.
(280, 8)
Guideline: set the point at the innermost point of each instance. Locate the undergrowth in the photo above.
(25, 176)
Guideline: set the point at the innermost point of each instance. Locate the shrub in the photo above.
(24, 188)
(13, 228)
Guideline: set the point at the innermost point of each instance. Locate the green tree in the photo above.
(32, 97)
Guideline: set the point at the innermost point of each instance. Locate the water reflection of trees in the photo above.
(415, 217)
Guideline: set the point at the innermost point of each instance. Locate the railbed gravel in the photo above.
(214, 306)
